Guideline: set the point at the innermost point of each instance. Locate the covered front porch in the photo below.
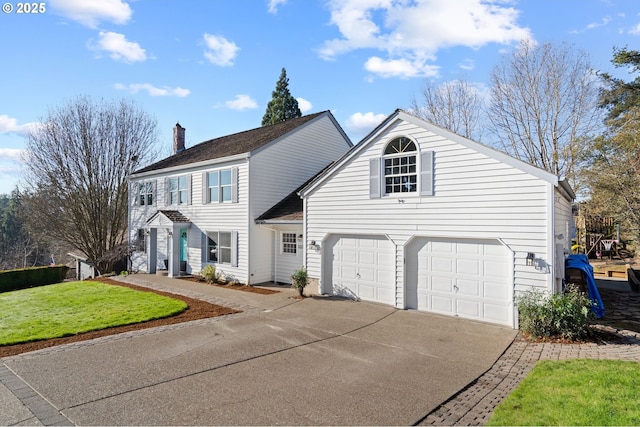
(166, 233)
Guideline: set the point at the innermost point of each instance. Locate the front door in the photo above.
(183, 249)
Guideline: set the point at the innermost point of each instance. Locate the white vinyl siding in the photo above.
(279, 168)
(203, 217)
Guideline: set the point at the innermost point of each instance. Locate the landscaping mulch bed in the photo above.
(234, 286)
(196, 310)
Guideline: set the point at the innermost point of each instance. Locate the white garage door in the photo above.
(361, 267)
(466, 278)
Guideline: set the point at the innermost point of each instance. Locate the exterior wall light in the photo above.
(531, 258)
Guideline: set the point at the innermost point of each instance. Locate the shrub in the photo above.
(23, 278)
(564, 315)
(211, 274)
(299, 280)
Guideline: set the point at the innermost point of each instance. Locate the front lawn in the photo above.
(71, 308)
(574, 392)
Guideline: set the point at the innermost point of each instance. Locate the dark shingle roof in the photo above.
(230, 145)
(173, 216)
(287, 209)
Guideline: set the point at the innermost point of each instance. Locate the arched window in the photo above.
(400, 166)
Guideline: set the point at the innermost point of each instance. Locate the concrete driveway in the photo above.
(318, 361)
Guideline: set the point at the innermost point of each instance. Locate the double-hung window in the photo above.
(221, 247)
(402, 170)
(220, 186)
(145, 193)
(400, 167)
(178, 190)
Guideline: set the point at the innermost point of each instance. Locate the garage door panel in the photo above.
(496, 312)
(479, 269)
(441, 304)
(366, 257)
(468, 309)
(468, 266)
(442, 247)
(440, 264)
(441, 284)
(348, 256)
(362, 267)
(468, 287)
(496, 291)
(467, 249)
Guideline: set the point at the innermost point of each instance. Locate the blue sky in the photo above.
(212, 64)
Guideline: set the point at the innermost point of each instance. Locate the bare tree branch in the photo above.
(543, 102)
(77, 164)
(455, 105)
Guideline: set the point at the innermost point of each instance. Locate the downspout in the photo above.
(249, 220)
(129, 195)
(551, 238)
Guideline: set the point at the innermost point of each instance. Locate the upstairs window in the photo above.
(400, 166)
(178, 190)
(145, 193)
(220, 186)
(401, 170)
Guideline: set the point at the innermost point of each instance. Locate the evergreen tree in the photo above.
(283, 105)
(619, 96)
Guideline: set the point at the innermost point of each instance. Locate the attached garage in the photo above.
(466, 278)
(360, 267)
(420, 218)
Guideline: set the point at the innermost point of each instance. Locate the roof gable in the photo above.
(230, 145)
(166, 217)
(400, 115)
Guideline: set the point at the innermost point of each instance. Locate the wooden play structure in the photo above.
(599, 238)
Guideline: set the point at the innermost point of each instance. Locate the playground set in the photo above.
(599, 238)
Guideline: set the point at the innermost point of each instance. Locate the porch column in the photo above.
(174, 252)
(152, 252)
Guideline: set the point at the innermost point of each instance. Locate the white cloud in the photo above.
(304, 105)
(153, 90)
(362, 123)
(635, 30)
(273, 5)
(242, 102)
(412, 32)
(403, 68)
(220, 51)
(10, 125)
(91, 12)
(12, 154)
(602, 23)
(119, 48)
(467, 64)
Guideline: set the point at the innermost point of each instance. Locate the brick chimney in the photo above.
(178, 138)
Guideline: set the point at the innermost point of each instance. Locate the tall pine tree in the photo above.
(283, 105)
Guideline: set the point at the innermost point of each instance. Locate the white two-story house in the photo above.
(215, 202)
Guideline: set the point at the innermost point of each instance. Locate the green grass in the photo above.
(574, 392)
(71, 308)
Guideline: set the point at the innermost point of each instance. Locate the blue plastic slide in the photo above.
(581, 262)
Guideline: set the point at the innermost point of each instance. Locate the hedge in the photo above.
(13, 280)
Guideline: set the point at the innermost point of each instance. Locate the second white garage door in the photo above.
(466, 278)
(361, 267)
